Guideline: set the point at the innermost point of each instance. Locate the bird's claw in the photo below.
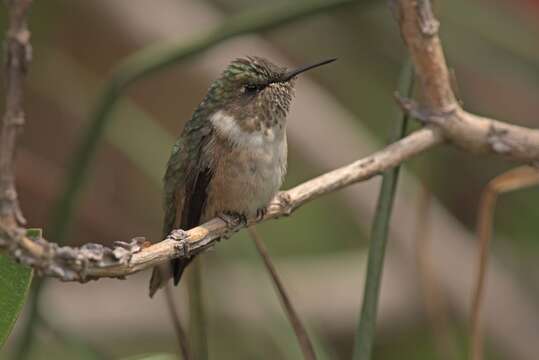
(178, 235)
(261, 213)
(233, 219)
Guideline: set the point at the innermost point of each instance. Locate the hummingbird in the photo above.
(230, 159)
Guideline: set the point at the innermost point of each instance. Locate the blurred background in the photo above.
(341, 113)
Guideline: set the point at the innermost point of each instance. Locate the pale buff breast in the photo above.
(249, 167)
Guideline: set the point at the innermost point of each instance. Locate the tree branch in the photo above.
(93, 261)
(18, 55)
(478, 134)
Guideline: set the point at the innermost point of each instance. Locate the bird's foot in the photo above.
(233, 219)
(261, 213)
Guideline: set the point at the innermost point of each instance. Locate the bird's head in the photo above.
(255, 88)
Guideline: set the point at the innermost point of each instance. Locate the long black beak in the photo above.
(294, 72)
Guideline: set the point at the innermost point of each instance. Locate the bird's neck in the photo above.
(250, 133)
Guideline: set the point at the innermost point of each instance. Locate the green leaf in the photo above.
(34, 233)
(14, 283)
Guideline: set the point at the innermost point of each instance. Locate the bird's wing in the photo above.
(185, 191)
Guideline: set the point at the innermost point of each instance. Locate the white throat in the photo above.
(227, 127)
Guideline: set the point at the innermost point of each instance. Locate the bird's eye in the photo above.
(253, 88)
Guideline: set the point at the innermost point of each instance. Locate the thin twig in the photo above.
(18, 56)
(515, 179)
(181, 336)
(301, 333)
(366, 329)
(93, 261)
(436, 307)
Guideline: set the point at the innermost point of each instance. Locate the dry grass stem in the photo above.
(181, 336)
(301, 333)
(515, 179)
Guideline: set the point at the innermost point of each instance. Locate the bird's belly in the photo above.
(246, 179)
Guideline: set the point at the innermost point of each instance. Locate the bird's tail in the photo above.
(174, 269)
(162, 274)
